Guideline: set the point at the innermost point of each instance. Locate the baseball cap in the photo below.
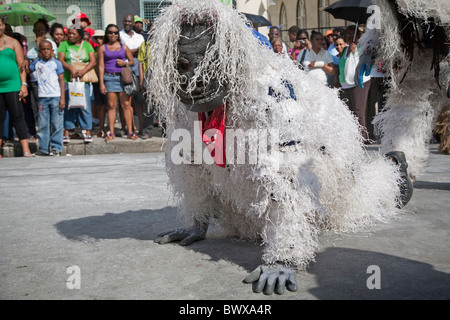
(82, 16)
(328, 32)
(138, 19)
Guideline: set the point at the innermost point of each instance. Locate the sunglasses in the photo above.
(113, 32)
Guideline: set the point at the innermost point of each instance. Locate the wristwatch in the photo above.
(25, 84)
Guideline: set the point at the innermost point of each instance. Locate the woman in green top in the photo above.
(13, 88)
(77, 50)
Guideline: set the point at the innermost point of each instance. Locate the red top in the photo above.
(91, 33)
(213, 134)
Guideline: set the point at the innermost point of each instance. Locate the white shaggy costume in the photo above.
(415, 98)
(317, 176)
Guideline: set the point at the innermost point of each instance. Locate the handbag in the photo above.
(125, 75)
(90, 76)
(350, 66)
(77, 94)
(132, 88)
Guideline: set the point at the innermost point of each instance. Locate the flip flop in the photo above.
(132, 136)
(110, 136)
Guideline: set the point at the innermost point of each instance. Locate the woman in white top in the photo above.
(318, 61)
(357, 97)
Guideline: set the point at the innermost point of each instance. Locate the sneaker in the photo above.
(88, 139)
(66, 139)
(41, 154)
(55, 153)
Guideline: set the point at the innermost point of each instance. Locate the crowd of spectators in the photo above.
(331, 58)
(35, 93)
(71, 52)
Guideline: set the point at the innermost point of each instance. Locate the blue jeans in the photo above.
(80, 116)
(50, 125)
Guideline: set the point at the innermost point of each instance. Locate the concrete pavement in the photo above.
(82, 227)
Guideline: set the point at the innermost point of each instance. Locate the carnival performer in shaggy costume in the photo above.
(442, 130)
(212, 81)
(410, 38)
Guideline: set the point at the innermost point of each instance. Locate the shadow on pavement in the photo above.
(432, 185)
(141, 225)
(147, 224)
(342, 273)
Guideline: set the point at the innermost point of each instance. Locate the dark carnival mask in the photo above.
(206, 95)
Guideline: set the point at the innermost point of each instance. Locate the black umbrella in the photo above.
(351, 10)
(257, 21)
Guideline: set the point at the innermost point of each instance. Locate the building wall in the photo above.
(257, 7)
(109, 12)
(125, 7)
(312, 14)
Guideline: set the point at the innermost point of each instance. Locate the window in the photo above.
(150, 9)
(301, 14)
(324, 17)
(92, 8)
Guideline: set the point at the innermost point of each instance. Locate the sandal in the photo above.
(110, 136)
(66, 139)
(100, 134)
(28, 155)
(132, 136)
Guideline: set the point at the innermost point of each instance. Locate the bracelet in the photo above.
(25, 84)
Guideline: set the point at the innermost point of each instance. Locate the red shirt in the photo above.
(91, 33)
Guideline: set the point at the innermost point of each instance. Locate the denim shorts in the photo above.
(113, 83)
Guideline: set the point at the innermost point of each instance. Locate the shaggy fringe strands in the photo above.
(419, 75)
(323, 181)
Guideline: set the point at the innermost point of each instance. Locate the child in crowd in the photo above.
(277, 46)
(50, 76)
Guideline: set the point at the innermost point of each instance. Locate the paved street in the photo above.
(82, 227)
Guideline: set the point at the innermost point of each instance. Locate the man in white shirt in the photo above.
(131, 39)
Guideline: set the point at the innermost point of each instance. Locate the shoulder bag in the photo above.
(132, 88)
(90, 76)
